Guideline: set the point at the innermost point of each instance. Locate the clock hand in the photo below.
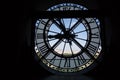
(58, 36)
(59, 25)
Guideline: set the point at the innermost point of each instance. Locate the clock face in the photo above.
(67, 45)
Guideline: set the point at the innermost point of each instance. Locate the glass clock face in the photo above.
(67, 45)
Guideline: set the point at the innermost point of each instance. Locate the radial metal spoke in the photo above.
(56, 44)
(75, 25)
(88, 40)
(85, 30)
(70, 23)
(80, 31)
(82, 39)
(51, 40)
(63, 22)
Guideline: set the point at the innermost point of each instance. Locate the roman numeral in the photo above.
(67, 62)
(95, 35)
(39, 35)
(43, 49)
(91, 20)
(91, 48)
(53, 59)
(81, 59)
(60, 62)
(44, 22)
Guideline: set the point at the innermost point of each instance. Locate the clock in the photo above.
(68, 45)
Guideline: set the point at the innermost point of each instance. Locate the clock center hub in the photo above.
(68, 35)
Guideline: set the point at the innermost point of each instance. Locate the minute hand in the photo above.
(59, 25)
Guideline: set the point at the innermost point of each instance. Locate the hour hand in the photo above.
(58, 36)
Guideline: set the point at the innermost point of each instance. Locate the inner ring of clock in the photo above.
(67, 38)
